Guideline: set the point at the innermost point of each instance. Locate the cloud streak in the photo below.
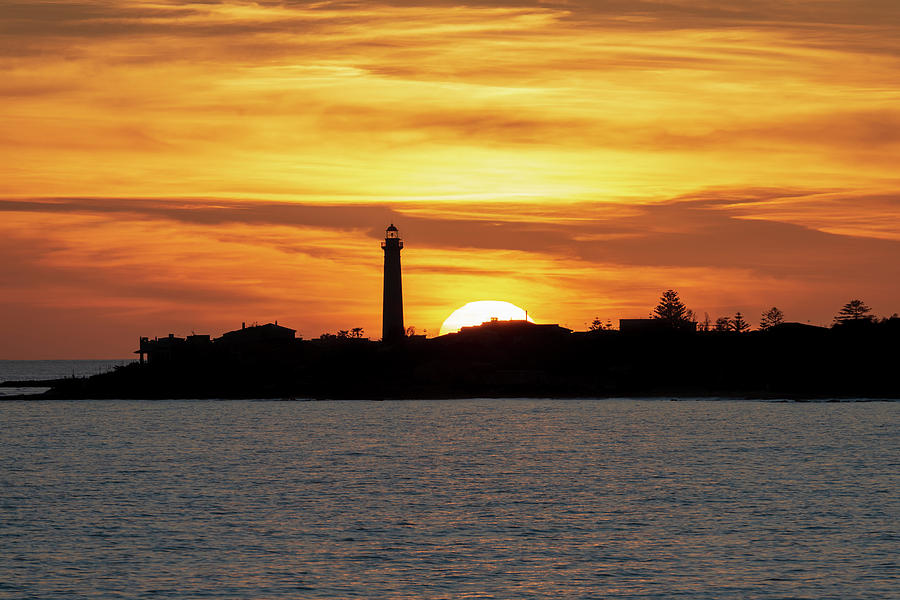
(606, 148)
(708, 231)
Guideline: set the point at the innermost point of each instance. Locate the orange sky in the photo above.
(173, 166)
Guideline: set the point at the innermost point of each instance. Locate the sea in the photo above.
(40, 370)
(469, 498)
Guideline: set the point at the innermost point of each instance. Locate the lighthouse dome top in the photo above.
(392, 232)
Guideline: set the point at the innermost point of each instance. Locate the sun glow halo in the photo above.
(476, 313)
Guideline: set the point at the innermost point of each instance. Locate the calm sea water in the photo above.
(21, 370)
(449, 499)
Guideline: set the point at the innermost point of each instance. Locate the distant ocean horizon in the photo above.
(25, 370)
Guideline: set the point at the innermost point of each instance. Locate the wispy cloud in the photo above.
(605, 148)
(321, 264)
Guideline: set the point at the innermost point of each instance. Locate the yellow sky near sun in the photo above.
(531, 116)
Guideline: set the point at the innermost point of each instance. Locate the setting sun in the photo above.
(476, 313)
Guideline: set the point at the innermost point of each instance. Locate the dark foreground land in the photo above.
(790, 360)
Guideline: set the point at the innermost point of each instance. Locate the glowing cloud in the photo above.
(171, 165)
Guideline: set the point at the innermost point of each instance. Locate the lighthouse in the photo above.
(392, 310)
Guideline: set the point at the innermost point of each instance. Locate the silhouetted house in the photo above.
(159, 349)
(257, 344)
(496, 327)
(172, 348)
(270, 332)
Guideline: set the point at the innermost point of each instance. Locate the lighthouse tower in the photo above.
(392, 310)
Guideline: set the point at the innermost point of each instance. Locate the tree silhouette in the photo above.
(738, 323)
(705, 324)
(672, 310)
(598, 325)
(356, 332)
(723, 324)
(771, 318)
(853, 311)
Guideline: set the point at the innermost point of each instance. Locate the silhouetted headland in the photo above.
(671, 354)
(512, 359)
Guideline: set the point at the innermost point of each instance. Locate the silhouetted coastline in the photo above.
(670, 354)
(514, 359)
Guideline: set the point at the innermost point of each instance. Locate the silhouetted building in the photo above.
(171, 348)
(392, 309)
(512, 326)
(257, 333)
(159, 349)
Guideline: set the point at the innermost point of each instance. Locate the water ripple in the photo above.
(449, 499)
